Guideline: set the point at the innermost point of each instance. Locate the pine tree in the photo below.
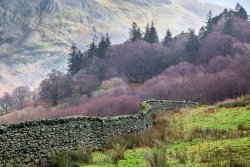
(237, 7)
(202, 31)
(79, 62)
(139, 35)
(192, 47)
(107, 40)
(147, 34)
(92, 51)
(75, 61)
(135, 32)
(242, 13)
(153, 37)
(102, 46)
(209, 23)
(168, 38)
(229, 27)
(221, 16)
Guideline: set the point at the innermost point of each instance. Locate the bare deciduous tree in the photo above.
(55, 87)
(20, 95)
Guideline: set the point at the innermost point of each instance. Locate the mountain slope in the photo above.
(35, 36)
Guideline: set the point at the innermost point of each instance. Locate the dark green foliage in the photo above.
(108, 42)
(229, 27)
(202, 31)
(102, 47)
(86, 60)
(221, 16)
(150, 34)
(92, 51)
(152, 37)
(153, 34)
(147, 33)
(242, 13)
(209, 23)
(192, 47)
(168, 38)
(237, 7)
(75, 61)
(135, 32)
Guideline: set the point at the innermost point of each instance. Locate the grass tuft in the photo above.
(156, 157)
(72, 158)
(118, 151)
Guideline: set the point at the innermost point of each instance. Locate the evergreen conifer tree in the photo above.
(153, 36)
(242, 13)
(228, 26)
(192, 47)
(209, 23)
(135, 32)
(202, 31)
(108, 42)
(102, 46)
(168, 38)
(75, 61)
(92, 51)
(237, 7)
(147, 33)
(139, 35)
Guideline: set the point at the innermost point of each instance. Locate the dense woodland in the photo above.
(107, 80)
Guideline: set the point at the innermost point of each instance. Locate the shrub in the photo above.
(114, 87)
(156, 157)
(62, 159)
(55, 87)
(72, 158)
(112, 106)
(83, 155)
(118, 151)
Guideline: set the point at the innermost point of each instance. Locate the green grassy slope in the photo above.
(211, 137)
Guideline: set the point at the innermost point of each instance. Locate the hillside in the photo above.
(35, 36)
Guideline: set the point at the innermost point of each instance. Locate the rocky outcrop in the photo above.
(33, 142)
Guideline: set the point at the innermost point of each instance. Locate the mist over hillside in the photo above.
(35, 36)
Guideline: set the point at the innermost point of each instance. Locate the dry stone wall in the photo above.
(34, 142)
